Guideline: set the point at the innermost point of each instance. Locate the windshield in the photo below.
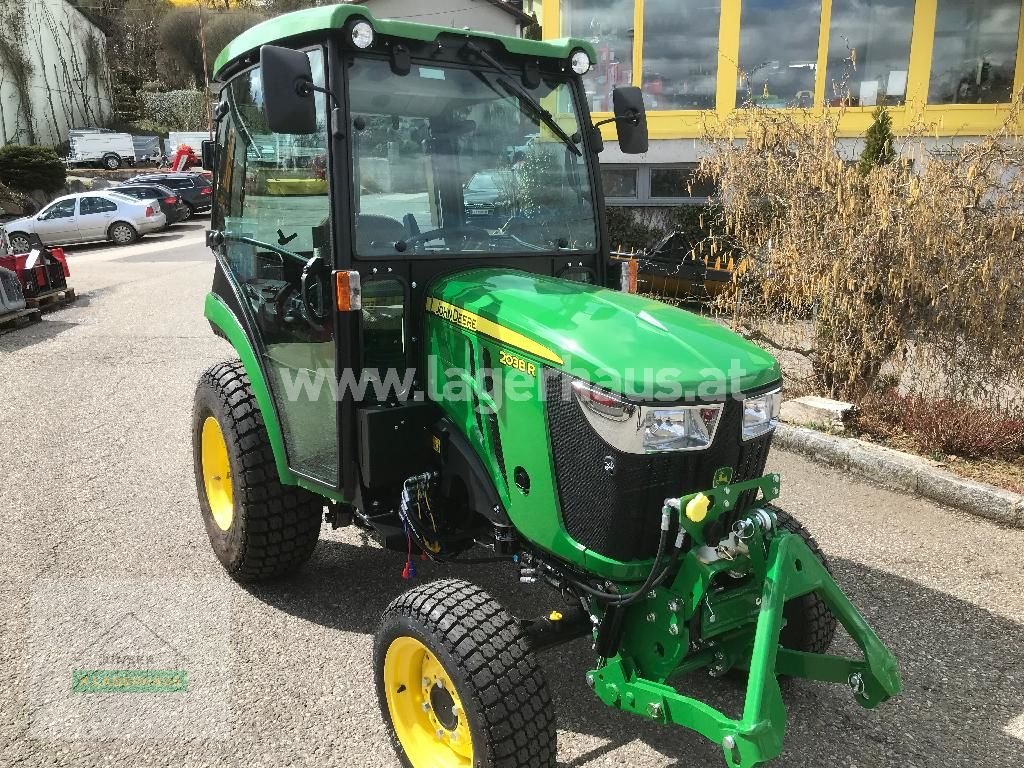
(454, 160)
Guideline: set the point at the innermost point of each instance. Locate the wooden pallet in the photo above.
(51, 300)
(14, 320)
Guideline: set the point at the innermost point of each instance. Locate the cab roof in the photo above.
(335, 17)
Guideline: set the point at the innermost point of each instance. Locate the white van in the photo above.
(105, 149)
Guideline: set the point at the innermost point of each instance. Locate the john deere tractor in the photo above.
(412, 265)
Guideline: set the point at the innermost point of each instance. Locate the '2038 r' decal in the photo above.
(514, 361)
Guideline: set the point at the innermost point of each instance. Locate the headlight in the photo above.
(579, 62)
(633, 428)
(761, 414)
(362, 34)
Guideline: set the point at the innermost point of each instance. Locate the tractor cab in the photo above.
(411, 265)
(359, 165)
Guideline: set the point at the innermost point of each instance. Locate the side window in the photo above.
(102, 205)
(284, 181)
(86, 206)
(65, 209)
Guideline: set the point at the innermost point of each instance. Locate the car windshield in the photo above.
(121, 196)
(456, 160)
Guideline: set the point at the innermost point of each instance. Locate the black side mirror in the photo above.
(209, 153)
(630, 119)
(287, 90)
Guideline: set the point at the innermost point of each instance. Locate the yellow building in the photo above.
(951, 64)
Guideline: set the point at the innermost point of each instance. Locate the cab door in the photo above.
(273, 209)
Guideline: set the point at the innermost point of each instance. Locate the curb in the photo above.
(900, 471)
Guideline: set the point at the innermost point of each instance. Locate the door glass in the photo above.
(273, 200)
(62, 210)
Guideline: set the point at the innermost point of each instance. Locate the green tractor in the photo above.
(412, 267)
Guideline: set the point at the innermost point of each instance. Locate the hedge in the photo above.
(29, 168)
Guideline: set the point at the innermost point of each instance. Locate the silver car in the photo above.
(87, 218)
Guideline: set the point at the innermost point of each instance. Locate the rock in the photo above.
(817, 410)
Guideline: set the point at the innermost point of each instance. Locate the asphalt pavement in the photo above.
(104, 561)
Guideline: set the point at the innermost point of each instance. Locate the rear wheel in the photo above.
(188, 213)
(458, 684)
(123, 233)
(810, 624)
(259, 528)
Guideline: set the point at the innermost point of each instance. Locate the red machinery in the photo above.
(184, 157)
(39, 271)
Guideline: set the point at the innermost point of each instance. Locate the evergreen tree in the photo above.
(878, 149)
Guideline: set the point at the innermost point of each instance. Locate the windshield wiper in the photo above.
(509, 84)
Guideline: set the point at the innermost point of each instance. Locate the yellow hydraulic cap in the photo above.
(697, 507)
(555, 616)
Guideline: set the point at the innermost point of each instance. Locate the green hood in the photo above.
(630, 344)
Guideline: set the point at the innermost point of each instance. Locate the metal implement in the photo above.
(732, 610)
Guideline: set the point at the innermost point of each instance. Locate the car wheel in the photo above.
(19, 243)
(111, 162)
(123, 234)
(188, 213)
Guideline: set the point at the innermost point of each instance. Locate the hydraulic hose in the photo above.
(656, 575)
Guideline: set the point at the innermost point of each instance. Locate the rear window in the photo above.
(122, 196)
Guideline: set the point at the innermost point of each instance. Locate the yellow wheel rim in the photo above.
(425, 708)
(217, 474)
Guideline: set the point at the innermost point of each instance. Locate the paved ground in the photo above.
(103, 554)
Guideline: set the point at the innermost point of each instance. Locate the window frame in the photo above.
(954, 119)
(644, 198)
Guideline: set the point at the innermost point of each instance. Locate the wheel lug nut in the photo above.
(426, 706)
(440, 733)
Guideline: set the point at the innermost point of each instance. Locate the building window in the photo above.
(679, 183)
(619, 182)
(778, 52)
(869, 52)
(680, 56)
(975, 52)
(608, 24)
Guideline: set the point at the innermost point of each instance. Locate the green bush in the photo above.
(29, 168)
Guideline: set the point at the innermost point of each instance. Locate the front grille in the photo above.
(618, 513)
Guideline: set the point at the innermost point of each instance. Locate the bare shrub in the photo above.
(918, 256)
(943, 426)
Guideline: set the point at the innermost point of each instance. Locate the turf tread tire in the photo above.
(277, 525)
(810, 623)
(484, 650)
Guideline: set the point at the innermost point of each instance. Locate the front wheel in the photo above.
(810, 623)
(458, 684)
(259, 528)
(19, 243)
(111, 162)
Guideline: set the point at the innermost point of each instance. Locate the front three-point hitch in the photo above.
(723, 610)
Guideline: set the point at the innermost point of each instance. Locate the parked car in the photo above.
(195, 189)
(171, 204)
(487, 196)
(87, 218)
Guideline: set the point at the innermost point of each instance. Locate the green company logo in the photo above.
(129, 681)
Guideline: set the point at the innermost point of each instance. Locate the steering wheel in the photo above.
(465, 232)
